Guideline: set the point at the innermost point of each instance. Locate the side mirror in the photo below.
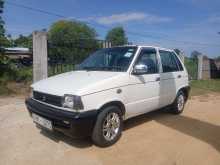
(140, 69)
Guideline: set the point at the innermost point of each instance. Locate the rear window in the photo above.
(178, 62)
(168, 61)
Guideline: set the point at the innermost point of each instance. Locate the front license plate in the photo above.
(42, 121)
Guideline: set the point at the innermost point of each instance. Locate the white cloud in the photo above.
(128, 17)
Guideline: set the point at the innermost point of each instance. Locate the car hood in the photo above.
(78, 82)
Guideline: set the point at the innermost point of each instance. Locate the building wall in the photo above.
(210, 68)
(206, 68)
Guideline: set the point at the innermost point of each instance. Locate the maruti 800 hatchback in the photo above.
(110, 86)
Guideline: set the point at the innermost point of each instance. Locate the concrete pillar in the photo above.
(206, 68)
(200, 64)
(39, 56)
(104, 44)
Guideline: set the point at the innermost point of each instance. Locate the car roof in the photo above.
(148, 46)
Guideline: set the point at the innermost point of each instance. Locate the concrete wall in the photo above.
(206, 70)
(209, 68)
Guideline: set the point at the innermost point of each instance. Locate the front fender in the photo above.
(98, 100)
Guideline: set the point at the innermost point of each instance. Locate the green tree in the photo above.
(2, 30)
(117, 36)
(3, 39)
(23, 41)
(71, 40)
(69, 31)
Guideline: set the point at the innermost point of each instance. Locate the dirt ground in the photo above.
(157, 138)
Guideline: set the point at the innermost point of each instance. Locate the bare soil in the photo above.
(157, 138)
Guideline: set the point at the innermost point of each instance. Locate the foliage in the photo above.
(10, 72)
(71, 41)
(6, 66)
(24, 74)
(3, 39)
(2, 30)
(66, 31)
(117, 36)
(23, 41)
(191, 65)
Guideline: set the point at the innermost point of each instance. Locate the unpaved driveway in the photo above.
(156, 138)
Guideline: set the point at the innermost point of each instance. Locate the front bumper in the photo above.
(74, 124)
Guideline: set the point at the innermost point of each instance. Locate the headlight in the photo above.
(73, 102)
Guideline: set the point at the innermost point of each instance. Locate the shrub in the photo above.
(23, 74)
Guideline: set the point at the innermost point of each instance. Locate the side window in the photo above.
(148, 57)
(168, 62)
(178, 62)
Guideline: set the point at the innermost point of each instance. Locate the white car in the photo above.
(110, 86)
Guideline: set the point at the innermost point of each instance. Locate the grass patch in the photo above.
(200, 87)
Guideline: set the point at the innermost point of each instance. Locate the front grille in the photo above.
(47, 98)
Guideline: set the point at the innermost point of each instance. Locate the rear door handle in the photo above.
(158, 79)
(179, 76)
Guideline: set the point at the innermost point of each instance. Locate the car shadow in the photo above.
(195, 128)
(201, 130)
(57, 137)
(141, 119)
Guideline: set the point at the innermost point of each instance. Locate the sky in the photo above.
(185, 24)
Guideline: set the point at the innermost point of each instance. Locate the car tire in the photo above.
(108, 127)
(179, 103)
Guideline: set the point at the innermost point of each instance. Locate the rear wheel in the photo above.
(179, 103)
(108, 127)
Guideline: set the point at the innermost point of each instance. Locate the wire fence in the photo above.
(63, 57)
(191, 65)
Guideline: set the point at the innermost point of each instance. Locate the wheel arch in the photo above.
(185, 90)
(117, 103)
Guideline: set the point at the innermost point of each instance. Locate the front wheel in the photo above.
(108, 127)
(179, 103)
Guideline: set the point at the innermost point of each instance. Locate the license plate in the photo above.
(42, 121)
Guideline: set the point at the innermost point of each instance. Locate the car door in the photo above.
(171, 76)
(143, 91)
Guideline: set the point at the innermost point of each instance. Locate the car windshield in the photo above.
(110, 59)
